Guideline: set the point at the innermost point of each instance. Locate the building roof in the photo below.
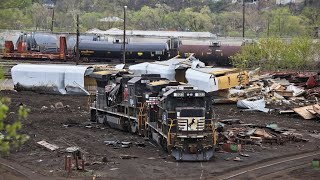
(119, 32)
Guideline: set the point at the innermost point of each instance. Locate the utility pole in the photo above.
(52, 20)
(243, 17)
(279, 25)
(268, 24)
(124, 34)
(77, 43)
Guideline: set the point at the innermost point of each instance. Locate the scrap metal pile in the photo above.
(234, 131)
(276, 93)
(279, 92)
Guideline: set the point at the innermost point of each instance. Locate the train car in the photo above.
(216, 54)
(39, 42)
(177, 117)
(102, 50)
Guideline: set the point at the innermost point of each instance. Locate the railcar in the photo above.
(101, 50)
(215, 54)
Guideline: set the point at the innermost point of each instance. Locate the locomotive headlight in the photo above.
(199, 94)
(178, 94)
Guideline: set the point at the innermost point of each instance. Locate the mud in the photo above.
(70, 126)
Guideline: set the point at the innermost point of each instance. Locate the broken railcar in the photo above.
(178, 117)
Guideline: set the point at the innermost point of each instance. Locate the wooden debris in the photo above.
(276, 86)
(316, 108)
(305, 112)
(225, 101)
(286, 111)
(47, 145)
(262, 133)
(285, 93)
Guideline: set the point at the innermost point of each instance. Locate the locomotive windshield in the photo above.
(191, 112)
(186, 102)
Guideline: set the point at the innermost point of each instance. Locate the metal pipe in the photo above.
(124, 34)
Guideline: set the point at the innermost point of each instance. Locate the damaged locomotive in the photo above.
(177, 116)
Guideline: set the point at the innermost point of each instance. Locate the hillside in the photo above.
(263, 17)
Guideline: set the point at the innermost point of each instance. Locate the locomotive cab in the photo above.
(185, 120)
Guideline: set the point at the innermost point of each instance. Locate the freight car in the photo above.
(178, 117)
(91, 48)
(102, 50)
(39, 42)
(216, 54)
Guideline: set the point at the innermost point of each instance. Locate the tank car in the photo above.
(215, 54)
(39, 42)
(114, 50)
(178, 117)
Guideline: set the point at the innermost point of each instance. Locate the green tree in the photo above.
(300, 53)
(9, 130)
(7, 4)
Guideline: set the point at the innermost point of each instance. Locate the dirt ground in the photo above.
(69, 126)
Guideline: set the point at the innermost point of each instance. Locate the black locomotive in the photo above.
(178, 117)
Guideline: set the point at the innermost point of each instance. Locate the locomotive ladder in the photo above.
(142, 119)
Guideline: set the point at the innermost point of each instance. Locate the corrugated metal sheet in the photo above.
(63, 79)
(204, 81)
(165, 68)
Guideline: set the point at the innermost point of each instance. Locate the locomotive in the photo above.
(178, 117)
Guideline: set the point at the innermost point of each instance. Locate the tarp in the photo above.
(61, 79)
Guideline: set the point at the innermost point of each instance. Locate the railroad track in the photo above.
(265, 170)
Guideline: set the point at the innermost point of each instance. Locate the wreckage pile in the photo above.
(239, 134)
(280, 92)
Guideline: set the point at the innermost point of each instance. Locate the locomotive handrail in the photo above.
(169, 132)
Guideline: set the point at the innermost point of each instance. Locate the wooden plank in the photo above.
(286, 111)
(47, 145)
(303, 112)
(285, 93)
(316, 108)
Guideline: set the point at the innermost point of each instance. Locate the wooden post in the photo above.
(65, 163)
(77, 165)
(82, 164)
(69, 165)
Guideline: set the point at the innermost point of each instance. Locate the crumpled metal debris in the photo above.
(254, 103)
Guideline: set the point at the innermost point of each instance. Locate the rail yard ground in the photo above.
(69, 126)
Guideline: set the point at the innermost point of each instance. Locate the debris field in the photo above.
(58, 127)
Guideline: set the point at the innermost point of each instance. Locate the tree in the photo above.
(9, 130)
(7, 4)
(300, 53)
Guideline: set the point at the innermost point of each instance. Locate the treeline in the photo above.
(220, 17)
(300, 53)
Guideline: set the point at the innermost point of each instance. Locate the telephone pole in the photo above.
(124, 34)
(77, 43)
(243, 17)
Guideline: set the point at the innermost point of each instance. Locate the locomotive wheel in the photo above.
(93, 116)
(164, 144)
(133, 127)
